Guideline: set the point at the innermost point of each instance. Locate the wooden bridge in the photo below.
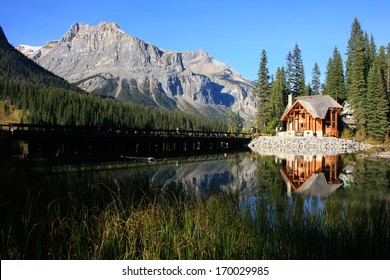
(55, 141)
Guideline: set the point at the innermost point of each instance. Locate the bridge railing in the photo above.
(4, 127)
(100, 130)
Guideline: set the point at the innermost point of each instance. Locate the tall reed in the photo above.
(214, 228)
(146, 222)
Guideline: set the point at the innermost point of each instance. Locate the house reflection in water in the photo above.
(314, 175)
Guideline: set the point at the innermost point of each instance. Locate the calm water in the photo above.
(308, 183)
(38, 205)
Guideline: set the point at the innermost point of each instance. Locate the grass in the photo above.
(184, 231)
(195, 228)
(11, 114)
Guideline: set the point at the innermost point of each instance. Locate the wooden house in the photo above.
(317, 115)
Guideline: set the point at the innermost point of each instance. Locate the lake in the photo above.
(225, 206)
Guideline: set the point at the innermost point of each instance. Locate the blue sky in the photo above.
(233, 32)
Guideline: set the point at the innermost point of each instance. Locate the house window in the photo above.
(327, 120)
(334, 120)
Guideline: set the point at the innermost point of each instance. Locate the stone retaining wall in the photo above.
(305, 145)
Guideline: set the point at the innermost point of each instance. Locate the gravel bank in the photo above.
(306, 145)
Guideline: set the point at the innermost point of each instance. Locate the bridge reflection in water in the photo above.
(314, 175)
(26, 140)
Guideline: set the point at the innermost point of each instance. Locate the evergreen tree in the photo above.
(308, 89)
(315, 82)
(289, 73)
(295, 72)
(377, 123)
(355, 44)
(334, 79)
(238, 123)
(383, 67)
(278, 97)
(357, 66)
(388, 69)
(263, 93)
(384, 61)
(371, 51)
(230, 120)
(299, 77)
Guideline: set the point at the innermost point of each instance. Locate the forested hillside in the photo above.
(44, 98)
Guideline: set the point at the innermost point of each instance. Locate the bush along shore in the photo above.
(273, 145)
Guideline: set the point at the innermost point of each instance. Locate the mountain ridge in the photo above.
(32, 94)
(105, 60)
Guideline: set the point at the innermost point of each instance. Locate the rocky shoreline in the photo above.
(274, 145)
(380, 155)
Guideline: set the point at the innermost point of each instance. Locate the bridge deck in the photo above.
(97, 130)
(56, 140)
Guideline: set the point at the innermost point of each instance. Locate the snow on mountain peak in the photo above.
(31, 48)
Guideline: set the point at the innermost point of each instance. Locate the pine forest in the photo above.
(361, 84)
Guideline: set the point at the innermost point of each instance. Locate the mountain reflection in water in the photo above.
(252, 177)
(308, 202)
(232, 173)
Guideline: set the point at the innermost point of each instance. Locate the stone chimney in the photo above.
(290, 100)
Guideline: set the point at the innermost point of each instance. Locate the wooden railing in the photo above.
(98, 130)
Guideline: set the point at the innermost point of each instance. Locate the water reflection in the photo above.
(95, 187)
(254, 178)
(235, 173)
(314, 175)
(335, 189)
(319, 183)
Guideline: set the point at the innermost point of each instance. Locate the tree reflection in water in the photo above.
(287, 199)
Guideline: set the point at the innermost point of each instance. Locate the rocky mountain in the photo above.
(106, 61)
